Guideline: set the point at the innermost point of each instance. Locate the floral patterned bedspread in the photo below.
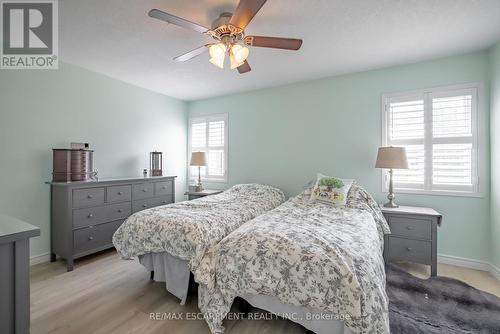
(188, 229)
(307, 254)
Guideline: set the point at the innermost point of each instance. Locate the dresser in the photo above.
(15, 275)
(85, 215)
(413, 235)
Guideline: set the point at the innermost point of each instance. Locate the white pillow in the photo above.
(332, 190)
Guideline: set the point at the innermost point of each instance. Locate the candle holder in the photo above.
(156, 163)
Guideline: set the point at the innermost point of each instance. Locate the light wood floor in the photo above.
(107, 295)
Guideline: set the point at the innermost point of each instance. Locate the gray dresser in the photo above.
(15, 275)
(413, 235)
(85, 215)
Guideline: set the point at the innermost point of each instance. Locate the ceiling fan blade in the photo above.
(274, 42)
(245, 12)
(160, 15)
(244, 68)
(191, 54)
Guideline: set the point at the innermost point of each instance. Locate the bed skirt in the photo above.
(313, 320)
(171, 270)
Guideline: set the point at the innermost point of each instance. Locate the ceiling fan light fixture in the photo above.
(217, 54)
(217, 50)
(240, 53)
(219, 62)
(234, 63)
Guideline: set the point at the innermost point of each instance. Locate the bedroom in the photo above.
(325, 108)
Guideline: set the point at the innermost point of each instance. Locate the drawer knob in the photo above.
(163, 187)
(91, 238)
(89, 196)
(144, 206)
(91, 226)
(144, 190)
(408, 249)
(409, 228)
(120, 193)
(90, 215)
(120, 210)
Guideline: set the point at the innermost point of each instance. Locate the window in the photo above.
(209, 134)
(439, 128)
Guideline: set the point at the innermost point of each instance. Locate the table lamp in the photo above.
(199, 159)
(391, 158)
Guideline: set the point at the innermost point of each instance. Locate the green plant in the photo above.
(331, 182)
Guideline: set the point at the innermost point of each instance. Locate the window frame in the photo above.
(207, 119)
(478, 139)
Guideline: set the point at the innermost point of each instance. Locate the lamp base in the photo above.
(391, 204)
(199, 187)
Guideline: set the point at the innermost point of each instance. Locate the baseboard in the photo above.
(495, 271)
(469, 263)
(41, 258)
(464, 262)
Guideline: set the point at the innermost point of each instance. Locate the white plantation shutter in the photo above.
(209, 134)
(407, 128)
(439, 130)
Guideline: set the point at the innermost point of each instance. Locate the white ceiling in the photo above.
(118, 39)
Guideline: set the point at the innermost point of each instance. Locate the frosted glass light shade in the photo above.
(217, 54)
(219, 62)
(217, 50)
(234, 63)
(240, 53)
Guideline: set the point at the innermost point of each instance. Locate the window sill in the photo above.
(436, 193)
(208, 180)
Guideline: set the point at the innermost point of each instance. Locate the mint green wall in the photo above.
(40, 110)
(284, 135)
(495, 154)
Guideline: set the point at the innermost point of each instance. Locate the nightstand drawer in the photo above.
(409, 250)
(413, 228)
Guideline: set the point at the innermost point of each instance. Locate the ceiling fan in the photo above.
(229, 32)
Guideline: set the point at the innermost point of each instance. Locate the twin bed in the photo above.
(314, 263)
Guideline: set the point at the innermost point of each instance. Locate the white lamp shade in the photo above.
(198, 159)
(392, 157)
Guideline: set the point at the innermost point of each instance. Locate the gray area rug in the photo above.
(439, 305)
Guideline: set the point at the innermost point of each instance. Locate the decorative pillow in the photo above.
(331, 190)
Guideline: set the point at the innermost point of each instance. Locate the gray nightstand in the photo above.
(203, 193)
(413, 235)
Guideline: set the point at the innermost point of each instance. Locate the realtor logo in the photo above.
(29, 34)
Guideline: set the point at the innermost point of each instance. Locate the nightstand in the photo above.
(413, 235)
(203, 193)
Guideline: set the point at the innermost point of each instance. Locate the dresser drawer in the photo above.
(413, 228)
(164, 200)
(94, 237)
(88, 197)
(143, 190)
(163, 188)
(100, 214)
(151, 203)
(142, 205)
(118, 211)
(118, 194)
(409, 250)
